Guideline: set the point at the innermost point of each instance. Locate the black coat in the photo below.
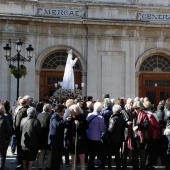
(44, 119)
(116, 128)
(5, 131)
(81, 129)
(78, 131)
(31, 130)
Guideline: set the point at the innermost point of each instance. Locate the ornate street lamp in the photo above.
(18, 58)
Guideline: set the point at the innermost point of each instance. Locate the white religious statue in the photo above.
(68, 79)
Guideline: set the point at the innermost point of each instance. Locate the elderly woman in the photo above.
(44, 147)
(137, 135)
(153, 136)
(31, 130)
(96, 127)
(76, 135)
(67, 113)
(5, 132)
(115, 129)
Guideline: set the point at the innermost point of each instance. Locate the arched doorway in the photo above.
(154, 78)
(52, 71)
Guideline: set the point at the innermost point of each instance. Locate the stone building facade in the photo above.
(123, 46)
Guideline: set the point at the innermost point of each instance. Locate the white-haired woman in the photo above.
(137, 135)
(96, 126)
(76, 135)
(67, 113)
(31, 130)
(115, 129)
(44, 147)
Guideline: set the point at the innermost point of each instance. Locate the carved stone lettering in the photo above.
(71, 13)
(53, 12)
(151, 16)
(59, 12)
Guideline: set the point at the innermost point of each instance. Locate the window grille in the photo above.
(58, 59)
(156, 62)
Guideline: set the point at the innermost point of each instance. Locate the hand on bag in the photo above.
(69, 118)
(135, 128)
(76, 122)
(129, 122)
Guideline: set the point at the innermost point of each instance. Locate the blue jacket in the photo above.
(56, 132)
(106, 113)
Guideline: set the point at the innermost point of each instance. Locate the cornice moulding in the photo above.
(88, 21)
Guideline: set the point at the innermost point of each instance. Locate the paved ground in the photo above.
(11, 157)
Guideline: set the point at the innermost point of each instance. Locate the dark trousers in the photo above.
(168, 152)
(163, 146)
(139, 150)
(93, 147)
(152, 151)
(19, 150)
(108, 150)
(106, 154)
(56, 158)
(2, 158)
(13, 143)
(116, 150)
(66, 154)
(124, 154)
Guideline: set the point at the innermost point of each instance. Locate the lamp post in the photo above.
(18, 58)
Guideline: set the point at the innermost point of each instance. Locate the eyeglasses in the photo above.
(137, 108)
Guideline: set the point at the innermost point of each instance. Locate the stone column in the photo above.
(37, 84)
(84, 80)
(137, 84)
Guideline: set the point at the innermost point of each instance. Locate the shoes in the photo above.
(92, 168)
(150, 167)
(101, 167)
(19, 167)
(168, 167)
(67, 164)
(129, 162)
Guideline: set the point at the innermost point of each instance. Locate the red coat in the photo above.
(154, 128)
(142, 123)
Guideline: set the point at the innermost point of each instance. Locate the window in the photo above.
(58, 59)
(157, 83)
(52, 80)
(156, 61)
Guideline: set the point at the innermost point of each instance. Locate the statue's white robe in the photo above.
(68, 78)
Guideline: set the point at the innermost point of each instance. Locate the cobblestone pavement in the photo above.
(11, 157)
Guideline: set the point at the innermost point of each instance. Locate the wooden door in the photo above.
(155, 86)
(48, 78)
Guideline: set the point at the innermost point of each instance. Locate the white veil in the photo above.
(68, 78)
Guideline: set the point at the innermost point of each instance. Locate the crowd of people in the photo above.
(85, 129)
